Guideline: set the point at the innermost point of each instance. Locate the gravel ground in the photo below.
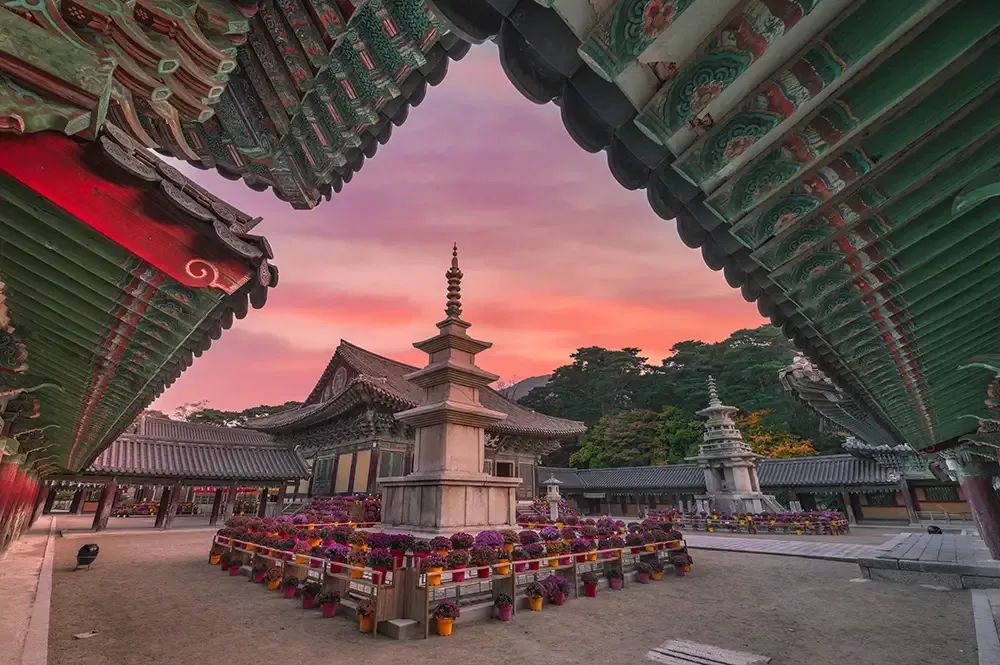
(155, 599)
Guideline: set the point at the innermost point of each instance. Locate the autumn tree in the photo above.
(209, 416)
(770, 442)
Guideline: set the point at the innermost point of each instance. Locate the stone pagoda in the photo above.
(730, 466)
(447, 490)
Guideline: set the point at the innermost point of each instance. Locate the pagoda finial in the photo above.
(713, 393)
(454, 307)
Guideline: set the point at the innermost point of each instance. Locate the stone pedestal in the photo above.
(441, 504)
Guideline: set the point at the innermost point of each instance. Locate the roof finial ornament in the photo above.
(454, 307)
(713, 393)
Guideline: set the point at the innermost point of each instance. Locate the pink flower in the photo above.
(738, 146)
(659, 14)
(705, 93)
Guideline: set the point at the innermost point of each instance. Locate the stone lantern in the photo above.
(552, 496)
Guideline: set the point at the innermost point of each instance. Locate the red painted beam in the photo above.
(77, 178)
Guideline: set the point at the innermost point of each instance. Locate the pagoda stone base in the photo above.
(441, 504)
(730, 502)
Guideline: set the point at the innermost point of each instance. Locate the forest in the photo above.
(639, 413)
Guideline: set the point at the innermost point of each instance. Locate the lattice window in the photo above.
(942, 493)
(390, 463)
(881, 498)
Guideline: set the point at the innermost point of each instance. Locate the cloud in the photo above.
(556, 254)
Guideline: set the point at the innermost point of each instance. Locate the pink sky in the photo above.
(556, 254)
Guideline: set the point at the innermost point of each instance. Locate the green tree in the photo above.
(639, 437)
(208, 416)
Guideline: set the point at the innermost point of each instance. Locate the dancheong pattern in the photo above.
(731, 51)
(626, 30)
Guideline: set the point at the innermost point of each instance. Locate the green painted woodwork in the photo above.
(76, 81)
(800, 82)
(97, 322)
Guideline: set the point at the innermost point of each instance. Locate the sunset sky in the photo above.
(556, 254)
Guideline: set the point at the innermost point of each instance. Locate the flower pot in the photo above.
(248, 547)
(503, 569)
(636, 550)
(590, 590)
(234, 570)
(591, 556)
(649, 548)
(607, 555)
(329, 610)
(687, 569)
(508, 547)
(288, 592)
(441, 552)
(656, 576)
(378, 575)
(679, 571)
(308, 602)
(581, 558)
(458, 576)
(357, 574)
(557, 599)
(335, 568)
(273, 584)
(315, 563)
(553, 562)
(213, 559)
(434, 576)
(615, 582)
(520, 566)
(534, 565)
(315, 542)
(300, 558)
(505, 613)
(258, 577)
(643, 578)
(366, 624)
(535, 604)
(444, 626)
(673, 544)
(482, 572)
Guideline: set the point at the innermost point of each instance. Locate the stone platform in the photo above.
(946, 560)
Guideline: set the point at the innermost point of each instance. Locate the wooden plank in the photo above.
(684, 652)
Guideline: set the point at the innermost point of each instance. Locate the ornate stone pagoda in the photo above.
(363, 421)
(729, 465)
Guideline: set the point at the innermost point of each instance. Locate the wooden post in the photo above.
(911, 512)
(174, 498)
(76, 505)
(50, 498)
(282, 492)
(845, 496)
(230, 501)
(161, 510)
(41, 502)
(262, 506)
(105, 505)
(216, 507)
(978, 491)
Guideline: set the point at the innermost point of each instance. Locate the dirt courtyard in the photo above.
(155, 599)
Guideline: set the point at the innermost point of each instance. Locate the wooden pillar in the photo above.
(76, 505)
(845, 496)
(170, 510)
(230, 501)
(161, 510)
(50, 498)
(42, 502)
(105, 505)
(978, 491)
(262, 505)
(351, 489)
(282, 492)
(373, 473)
(216, 506)
(911, 512)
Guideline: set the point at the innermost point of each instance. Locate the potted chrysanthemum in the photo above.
(328, 602)
(309, 591)
(445, 614)
(504, 605)
(589, 580)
